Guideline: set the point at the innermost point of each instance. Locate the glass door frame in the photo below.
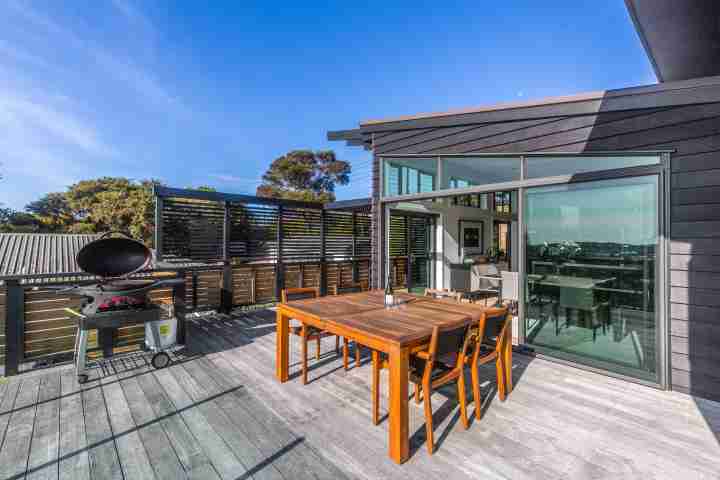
(431, 253)
(662, 170)
(661, 274)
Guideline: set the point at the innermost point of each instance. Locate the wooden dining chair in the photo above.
(492, 338)
(441, 362)
(306, 332)
(341, 289)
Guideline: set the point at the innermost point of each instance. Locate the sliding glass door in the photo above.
(591, 260)
(410, 248)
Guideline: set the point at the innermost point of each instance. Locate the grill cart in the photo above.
(117, 301)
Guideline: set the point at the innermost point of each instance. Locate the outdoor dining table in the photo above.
(395, 331)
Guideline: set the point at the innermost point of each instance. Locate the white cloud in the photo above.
(137, 79)
(116, 66)
(55, 128)
(39, 117)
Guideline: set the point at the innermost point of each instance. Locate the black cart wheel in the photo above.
(82, 378)
(160, 360)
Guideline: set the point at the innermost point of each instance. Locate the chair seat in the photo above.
(311, 331)
(440, 367)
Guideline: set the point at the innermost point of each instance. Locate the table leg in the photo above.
(508, 366)
(282, 346)
(399, 429)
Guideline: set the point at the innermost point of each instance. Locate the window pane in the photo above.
(552, 166)
(461, 172)
(591, 256)
(412, 179)
(405, 176)
(427, 182)
(392, 179)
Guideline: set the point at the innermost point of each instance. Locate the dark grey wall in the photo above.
(694, 132)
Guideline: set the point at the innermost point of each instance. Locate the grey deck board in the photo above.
(16, 448)
(6, 406)
(288, 450)
(219, 412)
(186, 446)
(42, 463)
(102, 451)
(244, 449)
(160, 450)
(225, 462)
(131, 451)
(74, 461)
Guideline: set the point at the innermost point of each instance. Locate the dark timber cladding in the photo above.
(683, 117)
(680, 37)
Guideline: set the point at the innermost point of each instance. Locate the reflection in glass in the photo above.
(591, 260)
(538, 167)
(404, 176)
(461, 172)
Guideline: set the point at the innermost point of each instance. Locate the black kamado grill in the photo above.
(115, 300)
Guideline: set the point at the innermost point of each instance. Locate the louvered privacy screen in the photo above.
(410, 247)
(268, 243)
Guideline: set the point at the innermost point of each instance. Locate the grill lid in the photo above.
(110, 257)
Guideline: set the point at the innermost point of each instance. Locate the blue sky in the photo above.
(209, 93)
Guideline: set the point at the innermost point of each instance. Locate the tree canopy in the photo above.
(90, 206)
(305, 175)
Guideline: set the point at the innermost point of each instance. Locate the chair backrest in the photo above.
(493, 325)
(446, 341)
(290, 294)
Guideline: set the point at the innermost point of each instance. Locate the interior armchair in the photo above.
(306, 332)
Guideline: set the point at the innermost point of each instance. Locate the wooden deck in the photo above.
(218, 412)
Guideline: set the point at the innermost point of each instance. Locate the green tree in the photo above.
(305, 175)
(13, 221)
(52, 212)
(113, 204)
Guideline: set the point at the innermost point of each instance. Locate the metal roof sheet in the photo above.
(40, 253)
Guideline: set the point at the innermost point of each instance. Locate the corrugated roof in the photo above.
(39, 253)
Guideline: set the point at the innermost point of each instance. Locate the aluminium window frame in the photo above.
(660, 169)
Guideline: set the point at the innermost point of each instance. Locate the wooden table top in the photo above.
(332, 306)
(475, 311)
(408, 324)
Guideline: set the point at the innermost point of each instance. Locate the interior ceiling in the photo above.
(681, 37)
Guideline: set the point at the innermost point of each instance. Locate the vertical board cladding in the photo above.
(681, 120)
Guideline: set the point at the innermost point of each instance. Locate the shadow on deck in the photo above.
(218, 412)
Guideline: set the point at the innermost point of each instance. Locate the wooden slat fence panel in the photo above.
(49, 330)
(253, 232)
(208, 289)
(311, 275)
(265, 284)
(193, 229)
(243, 285)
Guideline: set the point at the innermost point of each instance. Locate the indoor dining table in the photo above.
(395, 331)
